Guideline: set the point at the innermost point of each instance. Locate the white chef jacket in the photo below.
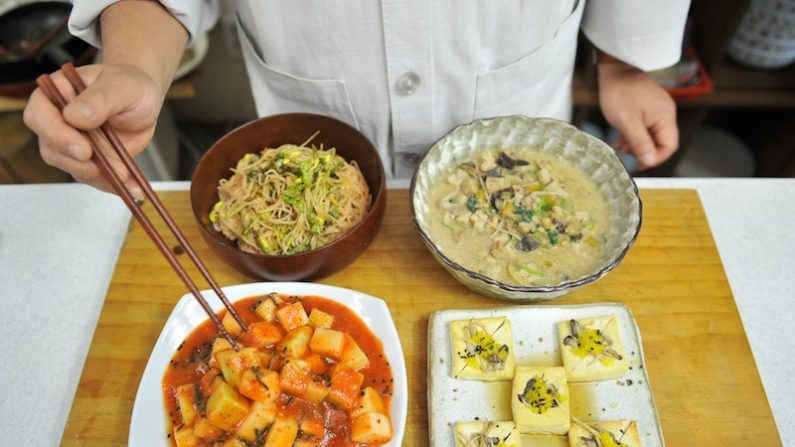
(404, 72)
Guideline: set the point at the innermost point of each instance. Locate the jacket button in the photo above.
(407, 83)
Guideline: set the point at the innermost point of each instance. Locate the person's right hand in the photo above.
(123, 95)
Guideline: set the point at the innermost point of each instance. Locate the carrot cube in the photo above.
(292, 316)
(312, 424)
(205, 430)
(261, 415)
(369, 400)
(261, 335)
(316, 389)
(210, 380)
(282, 433)
(328, 342)
(259, 384)
(345, 385)
(266, 308)
(225, 408)
(318, 318)
(293, 378)
(219, 344)
(184, 437)
(371, 428)
(352, 354)
(231, 325)
(186, 398)
(315, 363)
(296, 343)
(234, 363)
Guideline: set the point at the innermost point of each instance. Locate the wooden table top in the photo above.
(702, 373)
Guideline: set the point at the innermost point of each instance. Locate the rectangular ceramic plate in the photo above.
(148, 424)
(535, 342)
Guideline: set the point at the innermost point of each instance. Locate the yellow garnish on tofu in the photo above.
(482, 350)
(606, 439)
(590, 342)
(539, 395)
(585, 341)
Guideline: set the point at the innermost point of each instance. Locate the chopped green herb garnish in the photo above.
(547, 203)
(472, 203)
(525, 214)
(527, 269)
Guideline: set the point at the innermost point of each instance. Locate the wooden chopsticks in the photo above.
(106, 133)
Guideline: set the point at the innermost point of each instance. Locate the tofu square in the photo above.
(466, 433)
(540, 400)
(625, 432)
(591, 349)
(482, 349)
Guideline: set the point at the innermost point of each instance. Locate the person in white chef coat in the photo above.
(402, 72)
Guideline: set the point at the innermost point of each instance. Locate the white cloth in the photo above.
(404, 72)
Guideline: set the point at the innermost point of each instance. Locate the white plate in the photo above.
(148, 427)
(535, 342)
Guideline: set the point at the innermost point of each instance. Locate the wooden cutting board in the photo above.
(703, 376)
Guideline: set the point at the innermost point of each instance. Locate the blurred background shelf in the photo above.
(735, 86)
(182, 89)
(739, 86)
(757, 106)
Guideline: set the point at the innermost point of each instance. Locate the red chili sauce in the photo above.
(190, 362)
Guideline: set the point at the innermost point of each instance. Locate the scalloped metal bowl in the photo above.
(589, 154)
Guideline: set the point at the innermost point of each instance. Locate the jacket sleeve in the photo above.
(646, 34)
(197, 16)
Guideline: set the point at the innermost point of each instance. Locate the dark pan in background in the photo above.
(34, 40)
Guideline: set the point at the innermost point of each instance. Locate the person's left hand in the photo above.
(642, 111)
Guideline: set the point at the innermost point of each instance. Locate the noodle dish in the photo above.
(290, 199)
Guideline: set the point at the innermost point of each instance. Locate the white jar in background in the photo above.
(765, 37)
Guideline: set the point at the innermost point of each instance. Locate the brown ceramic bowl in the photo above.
(274, 131)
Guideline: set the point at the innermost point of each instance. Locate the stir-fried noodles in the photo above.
(290, 199)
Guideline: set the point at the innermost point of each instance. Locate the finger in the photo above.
(621, 145)
(639, 142)
(104, 98)
(666, 138)
(46, 121)
(88, 172)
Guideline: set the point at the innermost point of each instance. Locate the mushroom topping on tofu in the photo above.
(483, 351)
(539, 395)
(587, 341)
(481, 438)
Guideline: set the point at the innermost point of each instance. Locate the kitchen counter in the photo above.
(59, 244)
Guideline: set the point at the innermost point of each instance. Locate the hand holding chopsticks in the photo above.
(105, 134)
